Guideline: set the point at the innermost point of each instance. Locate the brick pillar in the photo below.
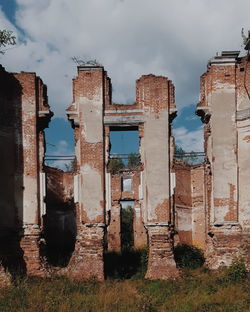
(30, 244)
(225, 101)
(156, 95)
(86, 114)
(161, 264)
(87, 260)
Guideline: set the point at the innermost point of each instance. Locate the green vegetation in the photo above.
(127, 232)
(129, 263)
(71, 166)
(115, 164)
(133, 161)
(199, 290)
(187, 256)
(6, 38)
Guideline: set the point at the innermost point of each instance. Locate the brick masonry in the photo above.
(25, 113)
(92, 115)
(190, 217)
(225, 101)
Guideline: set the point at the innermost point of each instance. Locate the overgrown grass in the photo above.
(199, 290)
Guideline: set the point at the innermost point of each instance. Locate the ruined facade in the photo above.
(225, 109)
(189, 199)
(116, 183)
(47, 214)
(24, 115)
(93, 115)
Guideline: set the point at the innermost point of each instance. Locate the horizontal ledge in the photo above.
(157, 224)
(44, 112)
(121, 111)
(94, 224)
(243, 114)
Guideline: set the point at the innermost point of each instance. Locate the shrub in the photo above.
(126, 264)
(236, 272)
(187, 256)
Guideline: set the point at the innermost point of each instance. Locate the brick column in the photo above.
(156, 94)
(161, 264)
(86, 114)
(30, 244)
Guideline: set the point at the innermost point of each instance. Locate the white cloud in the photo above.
(189, 140)
(130, 38)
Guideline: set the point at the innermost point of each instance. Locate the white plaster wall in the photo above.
(155, 148)
(224, 144)
(91, 181)
(92, 191)
(30, 158)
(92, 118)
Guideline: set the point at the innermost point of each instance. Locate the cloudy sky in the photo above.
(174, 38)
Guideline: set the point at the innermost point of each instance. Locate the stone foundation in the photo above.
(87, 260)
(161, 264)
(223, 249)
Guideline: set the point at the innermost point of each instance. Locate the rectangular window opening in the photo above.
(126, 184)
(124, 148)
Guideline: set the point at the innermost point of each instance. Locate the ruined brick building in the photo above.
(225, 109)
(24, 115)
(206, 205)
(98, 191)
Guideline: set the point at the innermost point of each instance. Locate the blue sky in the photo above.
(130, 38)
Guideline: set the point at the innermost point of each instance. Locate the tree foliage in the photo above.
(127, 232)
(133, 161)
(6, 38)
(115, 164)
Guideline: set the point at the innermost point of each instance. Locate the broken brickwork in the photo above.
(114, 215)
(93, 115)
(24, 115)
(59, 223)
(189, 204)
(225, 109)
(86, 114)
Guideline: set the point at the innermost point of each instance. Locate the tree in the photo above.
(115, 164)
(133, 161)
(6, 38)
(179, 152)
(72, 166)
(187, 157)
(127, 232)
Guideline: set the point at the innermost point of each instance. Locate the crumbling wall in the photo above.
(156, 95)
(183, 203)
(60, 220)
(24, 115)
(114, 220)
(152, 114)
(190, 220)
(224, 107)
(86, 114)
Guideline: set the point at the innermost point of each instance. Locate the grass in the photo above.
(199, 290)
